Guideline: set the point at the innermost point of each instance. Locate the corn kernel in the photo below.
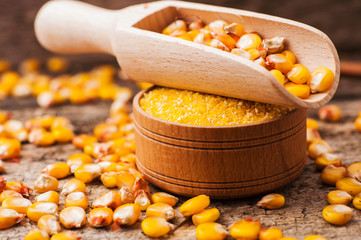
(249, 41)
(225, 39)
(273, 45)
(161, 210)
(194, 205)
(156, 227)
(125, 179)
(358, 124)
(58, 170)
(271, 233)
(354, 171)
(317, 148)
(29, 65)
(142, 199)
(357, 201)
(72, 217)
(211, 230)
(207, 215)
(332, 173)
(219, 45)
(331, 113)
(312, 135)
(16, 186)
(242, 53)
(100, 217)
(272, 201)
(46, 183)
(62, 134)
(288, 238)
(235, 29)
(217, 26)
(260, 61)
(9, 193)
(41, 137)
(57, 64)
(321, 79)
(315, 237)
(109, 179)
(67, 235)
(111, 199)
(49, 224)
(203, 38)
(298, 74)
(126, 195)
(290, 55)
(337, 214)
(349, 185)
(9, 217)
(36, 234)
(39, 209)
(339, 197)
(278, 75)
(4, 65)
(18, 204)
(299, 90)
(311, 123)
(81, 140)
(162, 197)
(126, 214)
(88, 172)
(174, 26)
(8, 81)
(76, 160)
(9, 148)
(195, 25)
(246, 229)
(73, 185)
(326, 159)
(77, 199)
(279, 62)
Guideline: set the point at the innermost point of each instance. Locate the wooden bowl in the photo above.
(221, 162)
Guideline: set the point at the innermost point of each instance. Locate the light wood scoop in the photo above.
(133, 36)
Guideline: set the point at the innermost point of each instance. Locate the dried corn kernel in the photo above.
(337, 214)
(29, 65)
(67, 235)
(290, 55)
(249, 41)
(207, 215)
(162, 197)
(126, 195)
(46, 183)
(271, 233)
(62, 134)
(246, 229)
(9, 193)
(161, 210)
(349, 185)
(81, 140)
(9, 148)
(100, 217)
(235, 29)
(174, 26)
(339, 197)
(332, 173)
(16, 186)
(219, 45)
(288, 238)
(4, 65)
(279, 62)
(354, 171)
(9, 217)
(317, 148)
(73, 185)
(358, 124)
(272, 201)
(273, 45)
(49, 224)
(278, 75)
(217, 26)
(331, 113)
(298, 74)
(311, 123)
(77, 199)
(357, 201)
(57, 64)
(211, 230)
(76, 160)
(225, 39)
(125, 179)
(312, 135)
(41, 137)
(39, 209)
(36, 234)
(126, 214)
(109, 179)
(299, 90)
(321, 79)
(111, 199)
(88, 172)
(315, 237)
(326, 159)
(195, 25)
(58, 170)
(194, 205)
(18, 204)
(156, 226)
(72, 217)
(242, 53)
(142, 199)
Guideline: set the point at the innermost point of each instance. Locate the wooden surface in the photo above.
(178, 62)
(305, 197)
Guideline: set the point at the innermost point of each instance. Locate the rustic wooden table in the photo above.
(305, 197)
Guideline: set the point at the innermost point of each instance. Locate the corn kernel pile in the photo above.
(268, 53)
(195, 108)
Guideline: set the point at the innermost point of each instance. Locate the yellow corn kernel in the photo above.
(29, 65)
(162, 197)
(4, 65)
(127, 214)
(109, 179)
(58, 170)
(49, 224)
(126, 195)
(249, 41)
(242, 53)
(330, 113)
(339, 197)
(211, 230)
(298, 74)
(357, 201)
(358, 124)
(18, 204)
(62, 134)
(218, 44)
(272, 201)
(104, 128)
(111, 199)
(312, 135)
(203, 38)
(109, 158)
(39, 122)
(57, 64)
(9, 193)
(100, 217)
(349, 185)
(207, 215)
(337, 214)
(315, 237)
(88, 172)
(142, 199)
(129, 158)
(41, 137)
(81, 140)
(174, 26)
(317, 148)
(76, 160)
(279, 62)
(17, 186)
(46, 183)
(8, 81)
(288, 238)
(299, 90)
(67, 235)
(271, 233)
(225, 39)
(195, 25)
(290, 55)
(326, 159)
(161, 210)
(156, 227)
(36, 234)
(235, 29)
(76, 199)
(9, 217)
(246, 229)
(4, 116)
(39, 209)
(125, 179)
(10, 148)
(72, 217)
(332, 173)
(255, 53)
(311, 123)
(73, 185)
(181, 34)
(194, 205)
(260, 61)
(107, 166)
(217, 26)
(62, 122)
(321, 79)
(278, 75)
(354, 171)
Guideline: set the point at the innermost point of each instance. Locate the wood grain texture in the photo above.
(132, 36)
(222, 162)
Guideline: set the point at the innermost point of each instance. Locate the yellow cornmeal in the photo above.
(188, 107)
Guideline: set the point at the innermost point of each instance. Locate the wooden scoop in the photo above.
(133, 36)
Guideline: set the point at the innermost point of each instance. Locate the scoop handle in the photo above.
(75, 27)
